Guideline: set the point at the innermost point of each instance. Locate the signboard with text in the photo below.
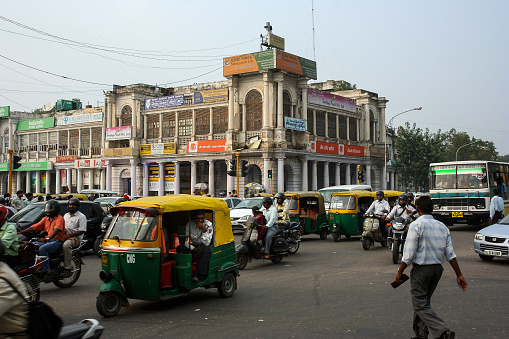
(213, 95)
(157, 148)
(29, 166)
(164, 102)
(28, 125)
(276, 41)
(5, 111)
(331, 100)
(336, 149)
(118, 133)
(66, 158)
(79, 119)
(295, 124)
(90, 163)
(206, 146)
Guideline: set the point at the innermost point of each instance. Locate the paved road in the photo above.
(327, 289)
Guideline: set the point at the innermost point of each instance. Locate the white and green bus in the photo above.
(462, 190)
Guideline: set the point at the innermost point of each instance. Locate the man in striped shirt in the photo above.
(427, 244)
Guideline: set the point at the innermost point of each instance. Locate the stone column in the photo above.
(367, 122)
(69, 179)
(281, 174)
(348, 175)
(91, 178)
(314, 122)
(304, 164)
(177, 176)
(145, 179)
(326, 174)
(102, 178)
(193, 175)
(314, 175)
(37, 181)
(230, 187)
(211, 120)
(305, 104)
(338, 173)
(244, 118)
(79, 180)
(231, 108)
(266, 116)
(212, 188)
(108, 176)
(48, 182)
(28, 183)
(383, 130)
(133, 177)
(368, 174)
(134, 134)
(266, 168)
(347, 128)
(58, 183)
(161, 178)
(280, 116)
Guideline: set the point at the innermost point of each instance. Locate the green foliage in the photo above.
(458, 143)
(504, 158)
(345, 86)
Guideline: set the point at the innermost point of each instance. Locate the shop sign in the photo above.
(29, 166)
(79, 119)
(214, 95)
(206, 146)
(28, 125)
(117, 152)
(276, 41)
(356, 151)
(338, 149)
(295, 124)
(164, 102)
(5, 111)
(153, 178)
(157, 148)
(331, 100)
(118, 133)
(66, 158)
(90, 163)
(327, 148)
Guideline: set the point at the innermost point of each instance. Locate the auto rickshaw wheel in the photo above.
(323, 234)
(228, 285)
(276, 260)
(242, 260)
(366, 243)
(108, 304)
(336, 236)
(76, 272)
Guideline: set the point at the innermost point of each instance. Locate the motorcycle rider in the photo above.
(9, 236)
(13, 310)
(54, 224)
(270, 213)
(402, 209)
(379, 208)
(75, 227)
(282, 208)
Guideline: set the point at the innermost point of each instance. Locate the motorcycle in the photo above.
(397, 240)
(291, 232)
(251, 248)
(372, 231)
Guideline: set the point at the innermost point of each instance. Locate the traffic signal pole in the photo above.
(271, 193)
(238, 174)
(9, 188)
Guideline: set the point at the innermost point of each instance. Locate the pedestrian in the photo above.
(48, 197)
(17, 201)
(427, 244)
(496, 206)
(7, 197)
(29, 199)
(40, 198)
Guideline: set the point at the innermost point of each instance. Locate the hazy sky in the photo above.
(450, 57)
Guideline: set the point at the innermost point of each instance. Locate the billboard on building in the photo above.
(66, 158)
(28, 125)
(118, 133)
(153, 178)
(117, 152)
(213, 95)
(269, 59)
(157, 148)
(295, 124)
(276, 41)
(79, 119)
(337, 149)
(206, 146)
(331, 100)
(164, 102)
(29, 166)
(5, 111)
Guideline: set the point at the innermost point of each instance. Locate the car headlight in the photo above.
(478, 236)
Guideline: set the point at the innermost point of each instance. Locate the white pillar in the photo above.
(280, 117)
(230, 187)
(91, 178)
(266, 168)
(69, 179)
(102, 178)
(161, 178)
(231, 108)
(304, 164)
(391, 181)
(193, 175)
(314, 175)
(145, 179)
(79, 180)
(134, 134)
(133, 177)
(177, 177)
(108, 176)
(266, 116)
(281, 174)
(338, 173)
(28, 181)
(368, 174)
(48, 182)
(212, 189)
(58, 183)
(326, 174)
(348, 175)
(37, 181)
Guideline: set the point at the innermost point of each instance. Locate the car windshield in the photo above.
(249, 203)
(28, 214)
(342, 202)
(133, 225)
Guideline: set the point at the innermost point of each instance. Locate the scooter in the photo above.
(251, 248)
(291, 232)
(397, 239)
(372, 231)
(86, 329)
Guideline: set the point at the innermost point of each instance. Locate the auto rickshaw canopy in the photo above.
(184, 202)
(309, 194)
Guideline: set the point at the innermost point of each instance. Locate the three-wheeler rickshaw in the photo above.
(346, 212)
(308, 209)
(142, 259)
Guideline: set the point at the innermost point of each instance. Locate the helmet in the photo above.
(3, 213)
(267, 199)
(410, 196)
(58, 197)
(75, 202)
(222, 194)
(235, 195)
(52, 208)
(280, 196)
(402, 199)
(380, 193)
(2, 201)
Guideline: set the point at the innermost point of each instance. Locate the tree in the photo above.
(344, 86)
(415, 150)
(504, 158)
(478, 150)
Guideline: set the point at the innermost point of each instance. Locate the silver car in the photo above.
(493, 241)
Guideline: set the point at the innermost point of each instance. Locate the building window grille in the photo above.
(220, 119)
(353, 129)
(85, 138)
(185, 123)
(97, 137)
(254, 111)
(311, 121)
(168, 124)
(127, 116)
(331, 127)
(342, 127)
(202, 121)
(320, 123)
(152, 126)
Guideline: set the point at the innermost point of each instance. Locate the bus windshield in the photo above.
(468, 176)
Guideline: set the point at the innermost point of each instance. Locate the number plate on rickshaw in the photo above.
(495, 253)
(457, 214)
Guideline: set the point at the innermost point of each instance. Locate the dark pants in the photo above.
(203, 254)
(424, 280)
(497, 216)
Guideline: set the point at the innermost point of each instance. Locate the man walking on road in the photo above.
(427, 244)
(496, 206)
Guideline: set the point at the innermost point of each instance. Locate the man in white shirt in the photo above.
(496, 206)
(75, 227)
(200, 236)
(270, 213)
(17, 201)
(379, 207)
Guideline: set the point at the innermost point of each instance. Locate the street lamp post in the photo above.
(390, 121)
(465, 146)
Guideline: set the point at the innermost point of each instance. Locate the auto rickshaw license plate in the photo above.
(457, 214)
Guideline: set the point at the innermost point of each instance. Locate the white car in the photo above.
(493, 241)
(240, 213)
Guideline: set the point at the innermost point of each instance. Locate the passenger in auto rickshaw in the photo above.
(200, 236)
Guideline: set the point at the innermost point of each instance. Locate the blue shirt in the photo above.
(497, 205)
(428, 242)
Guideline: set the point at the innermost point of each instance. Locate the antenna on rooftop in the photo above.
(265, 38)
(313, 21)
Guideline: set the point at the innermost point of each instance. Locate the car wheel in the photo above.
(228, 285)
(323, 234)
(486, 257)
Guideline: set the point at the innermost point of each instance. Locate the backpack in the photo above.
(43, 323)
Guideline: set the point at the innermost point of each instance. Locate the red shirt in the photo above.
(49, 226)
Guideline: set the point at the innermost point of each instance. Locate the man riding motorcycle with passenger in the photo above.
(379, 208)
(402, 209)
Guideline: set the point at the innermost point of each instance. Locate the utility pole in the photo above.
(9, 188)
(237, 171)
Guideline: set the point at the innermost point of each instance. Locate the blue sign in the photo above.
(163, 102)
(295, 124)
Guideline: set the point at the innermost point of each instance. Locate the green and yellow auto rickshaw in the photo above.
(142, 259)
(346, 212)
(308, 209)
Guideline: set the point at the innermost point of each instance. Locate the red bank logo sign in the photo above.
(206, 146)
(339, 149)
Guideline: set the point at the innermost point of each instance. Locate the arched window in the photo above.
(254, 111)
(127, 115)
(287, 104)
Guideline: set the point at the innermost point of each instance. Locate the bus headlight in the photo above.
(436, 206)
